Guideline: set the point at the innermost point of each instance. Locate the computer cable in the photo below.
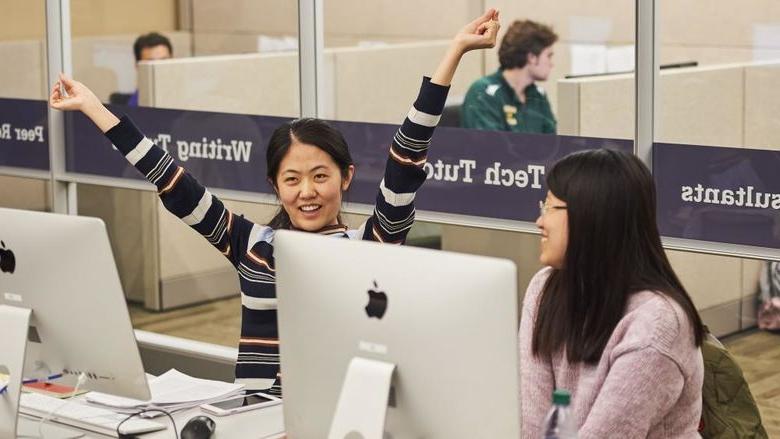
(79, 382)
(140, 413)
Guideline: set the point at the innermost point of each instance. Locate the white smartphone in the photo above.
(241, 403)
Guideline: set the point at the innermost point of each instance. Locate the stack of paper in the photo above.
(171, 391)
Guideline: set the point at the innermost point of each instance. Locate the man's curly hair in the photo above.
(524, 37)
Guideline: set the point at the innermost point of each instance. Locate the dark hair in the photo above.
(152, 39)
(310, 131)
(614, 250)
(524, 37)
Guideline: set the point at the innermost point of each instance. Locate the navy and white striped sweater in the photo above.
(249, 246)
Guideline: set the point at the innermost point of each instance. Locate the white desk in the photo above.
(254, 424)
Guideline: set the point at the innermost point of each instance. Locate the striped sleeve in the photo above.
(181, 193)
(394, 210)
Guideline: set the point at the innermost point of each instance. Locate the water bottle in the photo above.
(559, 423)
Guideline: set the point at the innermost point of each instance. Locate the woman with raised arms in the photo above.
(310, 168)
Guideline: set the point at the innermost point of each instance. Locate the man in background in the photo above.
(150, 47)
(510, 99)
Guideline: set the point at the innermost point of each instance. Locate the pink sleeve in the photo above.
(641, 387)
(536, 375)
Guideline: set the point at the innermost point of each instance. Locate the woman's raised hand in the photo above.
(77, 96)
(480, 33)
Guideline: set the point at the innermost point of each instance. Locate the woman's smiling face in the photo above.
(310, 185)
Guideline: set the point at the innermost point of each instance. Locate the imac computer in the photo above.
(62, 310)
(382, 341)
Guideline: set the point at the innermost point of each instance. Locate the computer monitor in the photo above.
(446, 323)
(61, 268)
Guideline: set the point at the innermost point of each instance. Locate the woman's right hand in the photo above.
(76, 97)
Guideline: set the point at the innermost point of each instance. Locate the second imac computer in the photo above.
(387, 341)
(62, 310)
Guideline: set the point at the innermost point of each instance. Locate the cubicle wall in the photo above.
(27, 19)
(731, 105)
(267, 24)
(353, 76)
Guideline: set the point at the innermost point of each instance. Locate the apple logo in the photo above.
(7, 259)
(377, 302)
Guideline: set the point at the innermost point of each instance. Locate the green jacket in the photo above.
(728, 408)
(492, 104)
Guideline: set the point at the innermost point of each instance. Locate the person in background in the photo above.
(510, 99)
(149, 47)
(607, 319)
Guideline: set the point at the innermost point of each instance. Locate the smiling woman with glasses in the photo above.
(608, 319)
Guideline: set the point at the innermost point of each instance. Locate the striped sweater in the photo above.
(249, 246)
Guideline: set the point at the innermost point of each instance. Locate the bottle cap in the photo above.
(561, 397)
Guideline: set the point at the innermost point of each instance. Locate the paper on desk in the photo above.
(172, 388)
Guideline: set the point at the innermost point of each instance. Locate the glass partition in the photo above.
(207, 82)
(715, 161)
(24, 152)
(494, 179)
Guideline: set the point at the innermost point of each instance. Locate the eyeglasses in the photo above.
(544, 208)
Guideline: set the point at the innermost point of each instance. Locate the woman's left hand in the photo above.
(480, 33)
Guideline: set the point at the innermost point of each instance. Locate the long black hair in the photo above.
(309, 131)
(614, 250)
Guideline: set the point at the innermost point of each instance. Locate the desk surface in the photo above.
(261, 423)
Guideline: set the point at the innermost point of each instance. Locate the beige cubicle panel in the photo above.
(25, 77)
(23, 20)
(520, 248)
(604, 106)
(762, 106)
(356, 19)
(110, 17)
(361, 83)
(715, 285)
(162, 262)
(27, 19)
(681, 22)
(214, 43)
(133, 232)
(245, 16)
(718, 23)
(370, 84)
(586, 21)
(702, 106)
(264, 84)
(24, 193)
(191, 270)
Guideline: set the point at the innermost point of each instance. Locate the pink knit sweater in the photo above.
(646, 385)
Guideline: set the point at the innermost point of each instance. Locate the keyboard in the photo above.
(83, 416)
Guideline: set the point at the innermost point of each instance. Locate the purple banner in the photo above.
(482, 173)
(24, 139)
(729, 195)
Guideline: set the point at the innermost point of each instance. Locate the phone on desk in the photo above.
(241, 403)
